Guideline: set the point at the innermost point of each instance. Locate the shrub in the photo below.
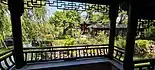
(148, 33)
(120, 42)
(102, 37)
(64, 37)
(70, 42)
(142, 46)
(81, 41)
(59, 42)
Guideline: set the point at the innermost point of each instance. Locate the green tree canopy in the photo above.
(5, 25)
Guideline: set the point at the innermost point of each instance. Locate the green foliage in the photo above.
(99, 18)
(5, 25)
(48, 37)
(82, 41)
(60, 42)
(123, 17)
(65, 22)
(142, 47)
(70, 42)
(120, 42)
(149, 33)
(34, 24)
(143, 44)
(102, 38)
(39, 14)
(64, 37)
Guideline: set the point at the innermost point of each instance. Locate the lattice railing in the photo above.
(70, 53)
(119, 54)
(145, 64)
(64, 52)
(7, 60)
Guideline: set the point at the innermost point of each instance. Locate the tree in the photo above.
(120, 42)
(99, 18)
(150, 32)
(5, 25)
(65, 21)
(122, 17)
(33, 22)
(96, 15)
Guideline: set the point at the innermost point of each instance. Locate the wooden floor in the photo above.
(56, 64)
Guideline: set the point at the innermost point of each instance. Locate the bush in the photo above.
(64, 37)
(120, 42)
(48, 37)
(102, 37)
(70, 42)
(59, 42)
(149, 33)
(142, 46)
(81, 41)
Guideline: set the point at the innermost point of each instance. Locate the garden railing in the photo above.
(144, 64)
(7, 60)
(70, 53)
(64, 52)
(118, 54)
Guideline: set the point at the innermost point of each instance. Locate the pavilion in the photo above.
(137, 9)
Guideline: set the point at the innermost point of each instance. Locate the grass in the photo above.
(59, 42)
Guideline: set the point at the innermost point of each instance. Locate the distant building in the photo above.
(93, 28)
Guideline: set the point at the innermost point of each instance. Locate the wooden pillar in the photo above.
(131, 34)
(113, 13)
(16, 9)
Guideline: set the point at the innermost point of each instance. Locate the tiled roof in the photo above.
(107, 26)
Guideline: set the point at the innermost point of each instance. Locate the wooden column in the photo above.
(113, 13)
(16, 10)
(131, 34)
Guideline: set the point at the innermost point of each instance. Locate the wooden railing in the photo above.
(70, 53)
(7, 60)
(145, 64)
(64, 52)
(119, 54)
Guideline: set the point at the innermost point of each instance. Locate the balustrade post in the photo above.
(16, 9)
(131, 35)
(113, 13)
(152, 64)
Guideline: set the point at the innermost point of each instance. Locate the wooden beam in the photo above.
(131, 34)
(113, 13)
(102, 2)
(16, 9)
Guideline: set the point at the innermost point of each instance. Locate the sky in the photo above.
(51, 10)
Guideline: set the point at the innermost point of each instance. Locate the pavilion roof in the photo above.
(145, 8)
(103, 2)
